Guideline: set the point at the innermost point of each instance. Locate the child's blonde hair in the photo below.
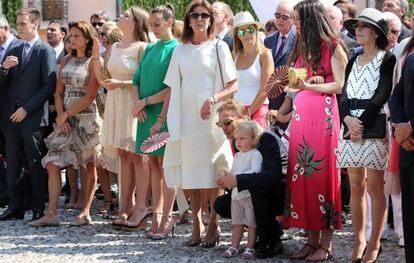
(251, 126)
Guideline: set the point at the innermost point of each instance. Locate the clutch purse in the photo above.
(376, 131)
(295, 73)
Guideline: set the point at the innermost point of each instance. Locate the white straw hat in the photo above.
(245, 18)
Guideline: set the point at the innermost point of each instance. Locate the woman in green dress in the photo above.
(151, 104)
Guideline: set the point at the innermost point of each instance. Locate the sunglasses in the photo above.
(102, 34)
(94, 24)
(395, 32)
(197, 16)
(242, 32)
(284, 17)
(227, 122)
(360, 25)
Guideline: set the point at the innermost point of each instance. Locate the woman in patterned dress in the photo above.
(313, 200)
(77, 139)
(368, 87)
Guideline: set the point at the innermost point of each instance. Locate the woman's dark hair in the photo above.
(312, 35)
(382, 41)
(188, 31)
(88, 32)
(167, 11)
(141, 27)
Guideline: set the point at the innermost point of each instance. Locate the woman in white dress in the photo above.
(119, 127)
(254, 64)
(198, 149)
(368, 87)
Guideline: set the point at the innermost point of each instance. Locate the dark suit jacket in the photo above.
(405, 32)
(401, 104)
(3, 99)
(31, 83)
(229, 40)
(349, 42)
(271, 43)
(60, 57)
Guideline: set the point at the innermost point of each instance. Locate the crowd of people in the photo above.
(86, 103)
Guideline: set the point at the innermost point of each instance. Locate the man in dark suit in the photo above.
(223, 20)
(266, 187)
(400, 8)
(281, 43)
(402, 118)
(7, 42)
(29, 74)
(56, 33)
(336, 18)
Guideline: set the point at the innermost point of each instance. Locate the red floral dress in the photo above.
(313, 199)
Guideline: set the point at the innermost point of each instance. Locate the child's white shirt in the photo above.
(245, 163)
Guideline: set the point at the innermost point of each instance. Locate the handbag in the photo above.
(376, 131)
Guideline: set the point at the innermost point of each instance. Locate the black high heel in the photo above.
(359, 260)
(376, 259)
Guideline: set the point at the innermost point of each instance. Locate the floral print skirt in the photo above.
(313, 199)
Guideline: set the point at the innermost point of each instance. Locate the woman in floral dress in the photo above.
(313, 200)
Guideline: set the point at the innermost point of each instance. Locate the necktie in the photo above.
(282, 46)
(1, 54)
(26, 49)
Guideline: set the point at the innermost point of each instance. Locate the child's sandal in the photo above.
(248, 253)
(230, 252)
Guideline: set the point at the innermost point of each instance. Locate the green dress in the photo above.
(150, 80)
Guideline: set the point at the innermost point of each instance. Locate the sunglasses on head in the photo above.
(227, 122)
(94, 24)
(242, 32)
(284, 17)
(360, 25)
(202, 16)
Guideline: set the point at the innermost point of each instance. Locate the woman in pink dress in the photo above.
(313, 199)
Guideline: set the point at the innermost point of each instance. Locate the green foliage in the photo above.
(10, 8)
(180, 5)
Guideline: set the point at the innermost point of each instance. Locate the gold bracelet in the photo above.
(162, 118)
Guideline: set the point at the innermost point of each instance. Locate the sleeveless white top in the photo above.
(249, 82)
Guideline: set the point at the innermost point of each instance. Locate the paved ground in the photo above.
(101, 243)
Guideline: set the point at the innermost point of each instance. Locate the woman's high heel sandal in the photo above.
(155, 217)
(171, 226)
(142, 224)
(376, 259)
(212, 242)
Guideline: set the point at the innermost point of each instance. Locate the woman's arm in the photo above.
(85, 101)
(266, 63)
(162, 117)
(338, 63)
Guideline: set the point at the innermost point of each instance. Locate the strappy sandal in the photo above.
(327, 257)
(311, 251)
(230, 252)
(212, 242)
(248, 253)
(191, 243)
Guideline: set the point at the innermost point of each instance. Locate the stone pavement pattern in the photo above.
(101, 243)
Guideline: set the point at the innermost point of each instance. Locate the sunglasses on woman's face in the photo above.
(197, 16)
(102, 34)
(360, 25)
(227, 122)
(242, 32)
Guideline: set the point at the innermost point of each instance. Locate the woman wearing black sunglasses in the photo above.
(200, 74)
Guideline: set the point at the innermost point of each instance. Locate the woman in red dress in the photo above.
(313, 199)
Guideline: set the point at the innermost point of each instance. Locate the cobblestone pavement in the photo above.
(101, 243)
